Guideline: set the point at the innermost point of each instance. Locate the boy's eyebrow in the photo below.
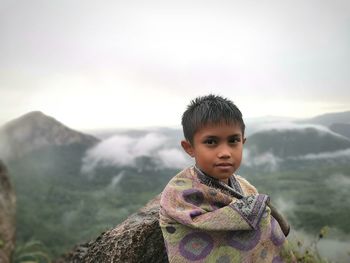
(231, 135)
(211, 136)
(236, 135)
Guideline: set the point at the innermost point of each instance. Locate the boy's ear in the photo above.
(244, 140)
(186, 145)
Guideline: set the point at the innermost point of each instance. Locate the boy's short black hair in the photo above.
(209, 109)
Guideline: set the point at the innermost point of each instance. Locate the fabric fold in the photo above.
(201, 223)
(251, 208)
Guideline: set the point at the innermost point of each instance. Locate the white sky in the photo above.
(104, 64)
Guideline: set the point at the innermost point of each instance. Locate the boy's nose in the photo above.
(224, 153)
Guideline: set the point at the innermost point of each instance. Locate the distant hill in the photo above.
(341, 128)
(60, 205)
(293, 142)
(57, 203)
(36, 130)
(338, 122)
(330, 118)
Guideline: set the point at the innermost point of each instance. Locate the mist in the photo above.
(344, 154)
(285, 126)
(115, 180)
(330, 247)
(267, 159)
(123, 150)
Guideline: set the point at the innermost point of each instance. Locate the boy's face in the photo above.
(217, 149)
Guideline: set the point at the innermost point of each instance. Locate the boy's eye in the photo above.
(210, 141)
(234, 140)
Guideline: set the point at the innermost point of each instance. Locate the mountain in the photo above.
(35, 130)
(329, 118)
(60, 205)
(341, 128)
(294, 142)
(255, 124)
(57, 203)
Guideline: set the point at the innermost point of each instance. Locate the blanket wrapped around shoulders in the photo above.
(202, 223)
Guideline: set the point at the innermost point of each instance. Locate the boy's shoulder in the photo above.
(248, 188)
(185, 180)
(185, 176)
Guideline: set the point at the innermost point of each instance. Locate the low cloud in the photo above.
(70, 217)
(340, 180)
(121, 150)
(115, 180)
(284, 126)
(324, 155)
(285, 206)
(339, 183)
(330, 247)
(173, 158)
(266, 159)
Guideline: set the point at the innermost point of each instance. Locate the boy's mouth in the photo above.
(224, 165)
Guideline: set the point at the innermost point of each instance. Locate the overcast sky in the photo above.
(104, 64)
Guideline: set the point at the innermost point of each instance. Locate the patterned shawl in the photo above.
(202, 223)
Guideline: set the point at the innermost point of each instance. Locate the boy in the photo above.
(209, 214)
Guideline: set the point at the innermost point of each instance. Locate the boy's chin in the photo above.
(221, 173)
(221, 176)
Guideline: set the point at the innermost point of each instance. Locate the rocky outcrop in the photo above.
(138, 239)
(7, 216)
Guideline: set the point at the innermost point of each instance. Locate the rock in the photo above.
(7, 216)
(137, 239)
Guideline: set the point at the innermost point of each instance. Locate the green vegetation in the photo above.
(31, 252)
(308, 252)
(314, 193)
(62, 207)
(2, 243)
(285, 143)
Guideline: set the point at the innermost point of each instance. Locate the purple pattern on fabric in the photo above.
(277, 236)
(215, 236)
(195, 213)
(217, 205)
(259, 209)
(170, 229)
(193, 196)
(277, 259)
(251, 208)
(196, 246)
(244, 239)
